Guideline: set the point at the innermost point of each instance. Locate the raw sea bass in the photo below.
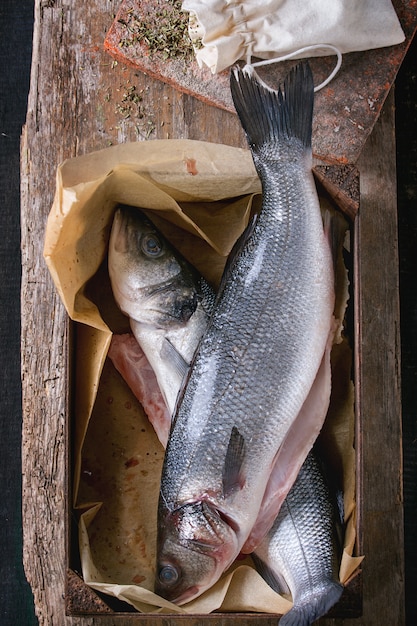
(166, 300)
(301, 553)
(259, 357)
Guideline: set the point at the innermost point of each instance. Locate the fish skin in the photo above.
(168, 302)
(302, 551)
(301, 546)
(258, 359)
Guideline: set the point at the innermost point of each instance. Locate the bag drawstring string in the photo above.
(291, 55)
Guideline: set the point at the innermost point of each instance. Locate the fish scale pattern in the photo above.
(264, 333)
(303, 547)
(265, 342)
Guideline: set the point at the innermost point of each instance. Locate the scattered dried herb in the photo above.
(163, 31)
(132, 108)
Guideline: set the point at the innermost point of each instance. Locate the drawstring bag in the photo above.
(225, 31)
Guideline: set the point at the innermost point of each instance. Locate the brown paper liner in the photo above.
(200, 195)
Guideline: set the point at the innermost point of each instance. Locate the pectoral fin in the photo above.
(171, 355)
(233, 478)
(273, 578)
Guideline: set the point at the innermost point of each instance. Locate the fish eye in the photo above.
(151, 246)
(168, 575)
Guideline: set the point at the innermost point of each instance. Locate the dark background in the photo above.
(16, 23)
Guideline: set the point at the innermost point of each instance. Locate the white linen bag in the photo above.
(225, 31)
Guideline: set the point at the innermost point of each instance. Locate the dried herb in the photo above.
(163, 31)
(132, 108)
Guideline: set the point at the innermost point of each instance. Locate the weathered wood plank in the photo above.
(378, 370)
(80, 101)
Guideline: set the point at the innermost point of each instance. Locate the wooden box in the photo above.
(338, 187)
(82, 83)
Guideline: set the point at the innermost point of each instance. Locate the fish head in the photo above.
(195, 545)
(151, 281)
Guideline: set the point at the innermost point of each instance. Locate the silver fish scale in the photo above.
(316, 519)
(303, 546)
(258, 359)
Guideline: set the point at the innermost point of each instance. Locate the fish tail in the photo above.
(306, 613)
(271, 116)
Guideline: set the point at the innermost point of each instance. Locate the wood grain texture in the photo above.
(345, 110)
(378, 373)
(81, 101)
(406, 134)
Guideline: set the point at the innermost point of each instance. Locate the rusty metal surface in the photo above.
(345, 111)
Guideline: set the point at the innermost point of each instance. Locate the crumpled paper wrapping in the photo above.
(200, 195)
(229, 31)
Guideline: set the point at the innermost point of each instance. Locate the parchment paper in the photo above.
(200, 195)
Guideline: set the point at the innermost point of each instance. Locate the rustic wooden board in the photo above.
(80, 101)
(345, 110)
(378, 374)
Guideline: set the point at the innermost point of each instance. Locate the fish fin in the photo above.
(334, 225)
(169, 353)
(314, 607)
(274, 579)
(232, 469)
(238, 245)
(268, 115)
(336, 497)
(339, 520)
